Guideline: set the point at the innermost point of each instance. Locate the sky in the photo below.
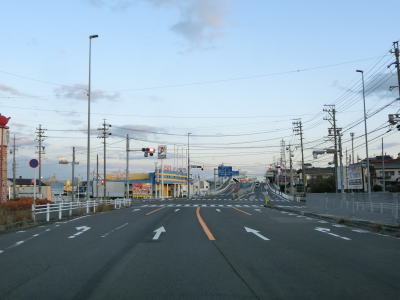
(232, 73)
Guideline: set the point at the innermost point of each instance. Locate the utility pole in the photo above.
(289, 148)
(127, 168)
(104, 135)
(341, 162)
(298, 130)
(74, 162)
(14, 165)
(40, 138)
(188, 166)
(97, 176)
(352, 147)
(283, 161)
(383, 171)
(395, 51)
(330, 109)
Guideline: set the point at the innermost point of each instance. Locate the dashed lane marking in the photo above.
(242, 211)
(155, 210)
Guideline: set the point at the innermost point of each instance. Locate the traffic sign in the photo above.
(34, 163)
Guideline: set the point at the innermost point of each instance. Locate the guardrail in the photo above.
(61, 209)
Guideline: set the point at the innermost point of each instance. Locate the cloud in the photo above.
(380, 85)
(116, 5)
(79, 92)
(67, 113)
(135, 131)
(21, 141)
(200, 23)
(11, 91)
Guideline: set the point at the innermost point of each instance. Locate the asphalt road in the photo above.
(205, 248)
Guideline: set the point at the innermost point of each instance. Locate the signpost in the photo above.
(34, 163)
(162, 154)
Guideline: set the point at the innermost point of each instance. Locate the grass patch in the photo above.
(376, 227)
(104, 207)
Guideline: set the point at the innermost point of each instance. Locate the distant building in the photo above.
(391, 176)
(319, 173)
(201, 187)
(24, 188)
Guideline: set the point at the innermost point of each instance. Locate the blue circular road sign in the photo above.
(34, 163)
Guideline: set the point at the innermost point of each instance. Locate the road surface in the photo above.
(205, 248)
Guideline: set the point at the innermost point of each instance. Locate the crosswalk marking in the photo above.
(197, 205)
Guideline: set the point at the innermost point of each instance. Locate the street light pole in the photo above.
(366, 132)
(88, 131)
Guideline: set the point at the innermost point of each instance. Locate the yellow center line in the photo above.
(155, 210)
(242, 211)
(204, 225)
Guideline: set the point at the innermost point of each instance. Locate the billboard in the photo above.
(141, 189)
(355, 177)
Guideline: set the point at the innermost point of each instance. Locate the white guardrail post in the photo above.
(48, 212)
(87, 207)
(60, 210)
(33, 213)
(94, 206)
(70, 208)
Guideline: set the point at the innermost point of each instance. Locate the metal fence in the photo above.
(60, 210)
(375, 207)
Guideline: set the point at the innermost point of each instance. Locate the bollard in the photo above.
(60, 211)
(87, 207)
(70, 208)
(94, 206)
(48, 212)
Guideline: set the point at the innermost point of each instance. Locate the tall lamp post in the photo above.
(366, 133)
(88, 131)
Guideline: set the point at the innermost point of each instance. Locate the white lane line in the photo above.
(81, 229)
(328, 231)
(257, 209)
(323, 222)
(20, 231)
(35, 235)
(136, 209)
(360, 230)
(218, 210)
(338, 225)
(176, 210)
(115, 229)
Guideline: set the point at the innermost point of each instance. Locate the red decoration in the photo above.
(4, 120)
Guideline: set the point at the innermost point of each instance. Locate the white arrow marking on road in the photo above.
(81, 229)
(158, 232)
(176, 210)
(256, 232)
(218, 210)
(328, 231)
